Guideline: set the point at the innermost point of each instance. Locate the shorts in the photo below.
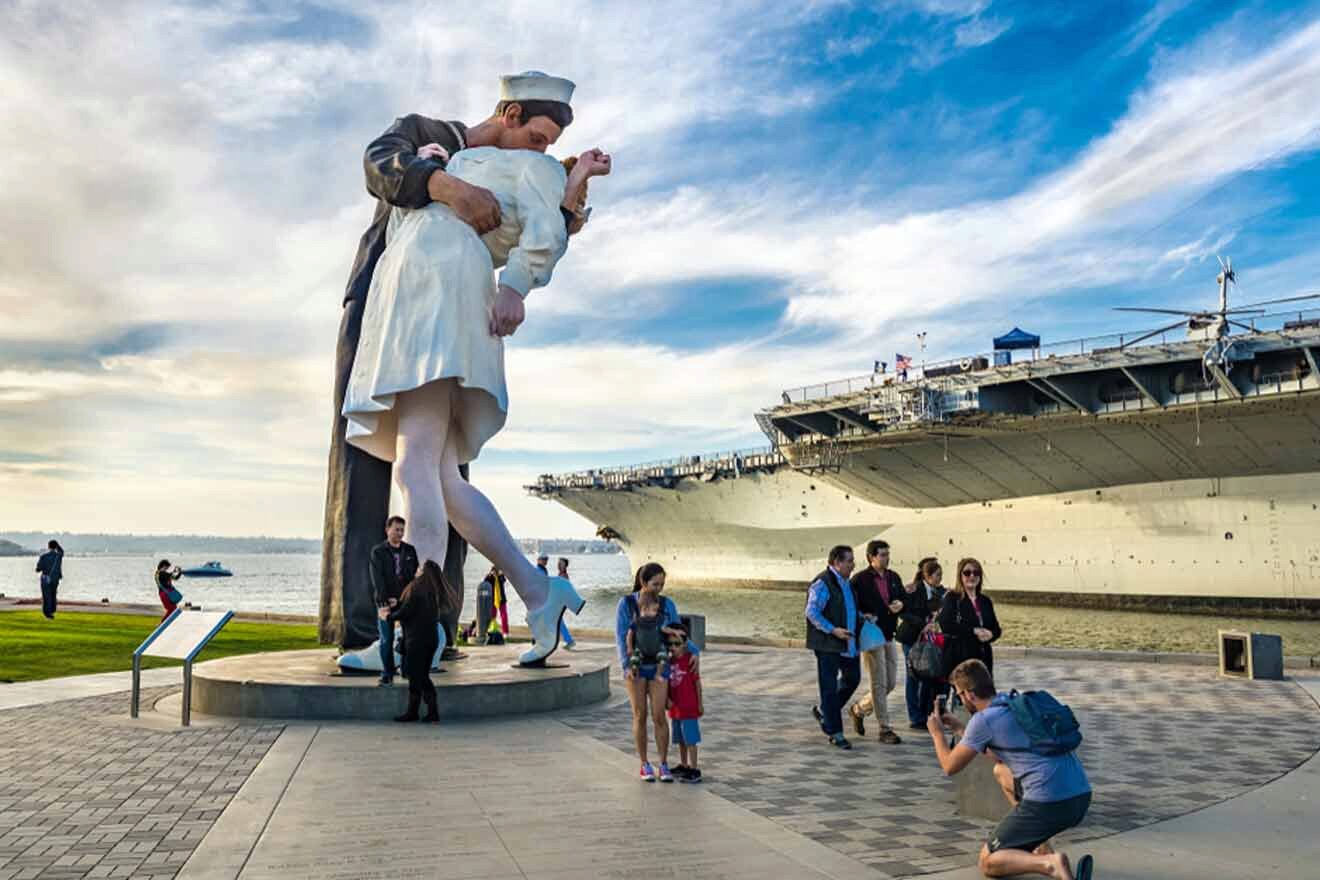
(647, 672)
(1033, 822)
(685, 731)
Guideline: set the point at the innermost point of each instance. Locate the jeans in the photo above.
(48, 589)
(837, 677)
(565, 637)
(386, 629)
(913, 691)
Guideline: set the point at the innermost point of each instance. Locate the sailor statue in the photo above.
(421, 381)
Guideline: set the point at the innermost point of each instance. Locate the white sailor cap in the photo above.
(533, 85)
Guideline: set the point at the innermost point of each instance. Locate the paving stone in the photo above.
(83, 796)
(1144, 726)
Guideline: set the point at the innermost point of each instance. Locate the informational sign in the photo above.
(180, 636)
(186, 634)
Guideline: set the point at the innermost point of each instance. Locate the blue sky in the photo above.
(798, 191)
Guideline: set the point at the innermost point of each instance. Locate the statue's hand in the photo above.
(509, 312)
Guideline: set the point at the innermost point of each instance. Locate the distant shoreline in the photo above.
(97, 544)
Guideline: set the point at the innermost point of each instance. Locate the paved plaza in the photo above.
(1179, 759)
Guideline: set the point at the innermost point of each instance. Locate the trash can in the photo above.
(1250, 655)
(696, 627)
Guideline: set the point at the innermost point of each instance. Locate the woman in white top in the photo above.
(427, 388)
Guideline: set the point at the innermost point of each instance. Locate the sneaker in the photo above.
(648, 772)
(385, 681)
(859, 722)
(680, 771)
(888, 737)
(840, 741)
(571, 646)
(693, 775)
(665, 775)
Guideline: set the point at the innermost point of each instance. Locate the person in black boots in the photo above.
(968, 619)
(393, 566)
(419, 610)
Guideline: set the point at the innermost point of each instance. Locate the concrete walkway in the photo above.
(556, 796)
(75, 687)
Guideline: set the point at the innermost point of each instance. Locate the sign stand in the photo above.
(181, 636)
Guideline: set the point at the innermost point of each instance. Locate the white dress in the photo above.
(429, 307)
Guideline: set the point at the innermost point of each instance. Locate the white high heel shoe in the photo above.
(544, 621)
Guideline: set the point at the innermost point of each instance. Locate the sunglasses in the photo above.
(967, 573)
(677, 643)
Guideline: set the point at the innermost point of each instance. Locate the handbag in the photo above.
(870, 637)
(907, 631)
(926, 660)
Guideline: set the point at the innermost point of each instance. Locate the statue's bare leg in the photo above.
(424, 416)
(476, 520)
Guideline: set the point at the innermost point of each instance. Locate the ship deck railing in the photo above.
(711, 464)
(937, 373)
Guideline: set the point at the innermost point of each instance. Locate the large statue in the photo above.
(425, 385)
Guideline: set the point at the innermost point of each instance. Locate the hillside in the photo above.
(9, 548)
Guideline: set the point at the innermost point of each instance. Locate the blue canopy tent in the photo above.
(1016, 339)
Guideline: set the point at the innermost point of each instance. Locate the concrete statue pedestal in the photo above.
(307, 685)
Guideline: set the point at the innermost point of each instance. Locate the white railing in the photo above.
(1085, 345)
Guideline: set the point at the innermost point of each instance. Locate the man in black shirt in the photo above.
(393, 567)
(880, 597)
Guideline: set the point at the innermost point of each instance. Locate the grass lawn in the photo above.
(74, 643)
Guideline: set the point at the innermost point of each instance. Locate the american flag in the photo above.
(902, 362)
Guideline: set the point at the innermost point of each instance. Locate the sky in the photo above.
(798, 190)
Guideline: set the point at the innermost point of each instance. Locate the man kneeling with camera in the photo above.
(1034, 740)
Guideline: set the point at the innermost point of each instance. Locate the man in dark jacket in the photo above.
(393, 566)
(880, 597)
(50, 565)
(358, 485)
(832, 623)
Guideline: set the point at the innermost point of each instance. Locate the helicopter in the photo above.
(1213, 325)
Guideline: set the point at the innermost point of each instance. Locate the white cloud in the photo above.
(981, 31)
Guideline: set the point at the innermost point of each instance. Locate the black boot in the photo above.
(432, 715)
(414, 700)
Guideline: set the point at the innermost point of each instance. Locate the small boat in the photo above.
(209, 570)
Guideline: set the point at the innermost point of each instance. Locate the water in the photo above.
(289, 584)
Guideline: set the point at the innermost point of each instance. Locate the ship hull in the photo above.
(1223, 541)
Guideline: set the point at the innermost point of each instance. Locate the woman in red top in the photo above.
(170, 597)
(685, 705)
(967, 619)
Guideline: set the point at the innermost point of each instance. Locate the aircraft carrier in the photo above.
(1178, 467)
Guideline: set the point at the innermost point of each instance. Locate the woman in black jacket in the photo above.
(419, 610)
(967, 619)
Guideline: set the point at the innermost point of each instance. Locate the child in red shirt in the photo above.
(685, 706)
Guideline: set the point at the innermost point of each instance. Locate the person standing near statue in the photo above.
(393, 566)
(358, 483)
(50, 565)
(565, 637)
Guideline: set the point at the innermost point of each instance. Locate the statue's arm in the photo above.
(394, 172)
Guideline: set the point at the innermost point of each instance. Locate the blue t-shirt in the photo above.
(1044, 778)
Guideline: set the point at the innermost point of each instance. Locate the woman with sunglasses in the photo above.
(967, 619)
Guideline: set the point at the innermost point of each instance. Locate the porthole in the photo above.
(1024, 539)
(951, 542)
(1228, 536)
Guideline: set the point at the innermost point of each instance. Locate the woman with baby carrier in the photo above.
(643, 625)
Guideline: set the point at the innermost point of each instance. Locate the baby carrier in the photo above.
(649, 645)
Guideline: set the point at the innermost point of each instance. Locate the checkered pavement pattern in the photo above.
(1160, 741)
(85, 795)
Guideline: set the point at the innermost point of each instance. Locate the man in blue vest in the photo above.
(1049, 792)
(832, 623)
